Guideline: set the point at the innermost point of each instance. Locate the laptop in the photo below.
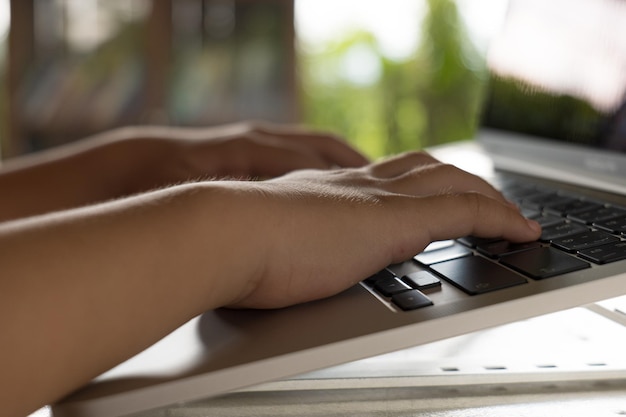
(554, 126)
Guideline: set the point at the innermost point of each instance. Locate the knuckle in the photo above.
(446, 169)
(414, 154)
(436, 169)
(419, 156)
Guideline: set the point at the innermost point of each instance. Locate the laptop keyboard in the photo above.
(578, 232)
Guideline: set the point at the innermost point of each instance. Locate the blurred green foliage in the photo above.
(430, 98)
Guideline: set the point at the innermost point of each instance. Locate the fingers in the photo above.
(266, 150)
(243, 151)
(330, 148)
(465, 214)
(400, 164)
(439, 179)
(270, 159)
(450, 203)
(452, 216)
(418, 173)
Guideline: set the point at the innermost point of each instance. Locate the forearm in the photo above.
(137, 159)
(95, 286)
(104, 167)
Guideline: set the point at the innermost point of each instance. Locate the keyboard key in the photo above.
(606, 253)
(573, 207)
(444, 254)
(601, 214)
(421, 280)
(561, 230)
(540, 200)
(502, 247)
(477, 275)
(390, 286)
(556, 203)
(473, 241)
(384, 274)
(519, 191)
(547, 219)
(438, 244)
(584, 240)
(411, 300)
(617, 225)
(543, 262)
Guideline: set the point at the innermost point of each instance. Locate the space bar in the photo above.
(477, 275)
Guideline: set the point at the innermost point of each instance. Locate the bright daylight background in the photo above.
(397, 74)
(390, 75)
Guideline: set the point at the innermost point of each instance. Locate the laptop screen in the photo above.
(558, 72)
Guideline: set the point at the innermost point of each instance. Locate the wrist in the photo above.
(138, 160)
(227, 228)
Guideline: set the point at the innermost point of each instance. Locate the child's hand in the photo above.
(327, 230)
(240, 151)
